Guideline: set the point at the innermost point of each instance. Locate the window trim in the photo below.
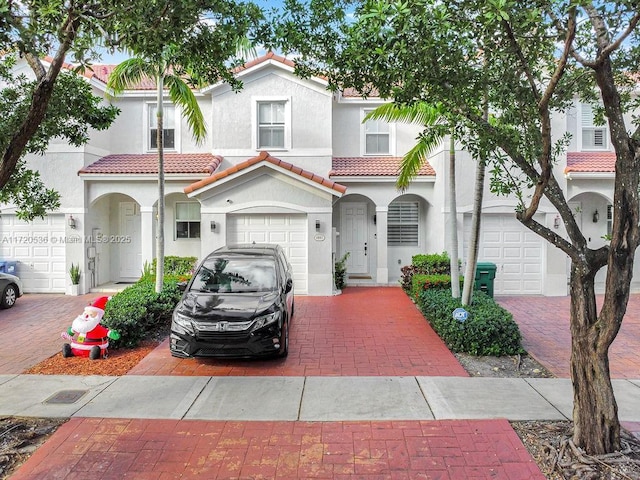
(582, 127)
(176, 220)
(255, 136)
(146, 125)
(363, 136)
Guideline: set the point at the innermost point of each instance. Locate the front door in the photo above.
(128, 241)
(354, 235)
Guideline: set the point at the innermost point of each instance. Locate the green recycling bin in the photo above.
(485, 275)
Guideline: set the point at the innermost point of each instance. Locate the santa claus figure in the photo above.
(88, 338)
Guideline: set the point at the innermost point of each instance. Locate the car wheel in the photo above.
(9, 296)
(284, 340)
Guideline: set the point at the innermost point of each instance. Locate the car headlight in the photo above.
(265, 320)
(182, 324)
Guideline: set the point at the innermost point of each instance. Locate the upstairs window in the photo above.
(271, 125)
(403, 224)
(187, 220)
(377, 137)
(593, 137)
(168, 127)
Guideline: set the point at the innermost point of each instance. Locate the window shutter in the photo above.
(403, 221)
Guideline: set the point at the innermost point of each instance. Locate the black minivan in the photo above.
(239, 303)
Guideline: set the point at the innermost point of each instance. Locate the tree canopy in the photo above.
(524, 62)
(47, 104)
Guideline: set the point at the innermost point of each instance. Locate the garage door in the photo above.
(517, 253)
(289, 231)
(39, 249)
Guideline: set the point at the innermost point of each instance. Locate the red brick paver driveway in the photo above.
(544, 323)
(30, 331)
(143, 449)
(366, 331)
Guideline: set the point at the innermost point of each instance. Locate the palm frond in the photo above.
(181, 94)
(419, 113)
(415, 159)
(128, 74)
(245, 48)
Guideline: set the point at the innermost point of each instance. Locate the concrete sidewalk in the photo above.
(311, 399)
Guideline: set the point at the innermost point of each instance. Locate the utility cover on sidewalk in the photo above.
(66, 397)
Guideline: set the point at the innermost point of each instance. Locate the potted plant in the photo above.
(74, 273)
(340, 272)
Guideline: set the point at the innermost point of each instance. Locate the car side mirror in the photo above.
(182, 286)
(289, 286)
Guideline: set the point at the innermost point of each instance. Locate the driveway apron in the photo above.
(544, 323)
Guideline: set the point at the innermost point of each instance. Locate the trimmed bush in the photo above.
(489, 330)
(179, 269)
(433, 263)
(139, 310)
(422, 282)
(425, 264)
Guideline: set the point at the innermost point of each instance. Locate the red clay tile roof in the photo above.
(264, 58)
(372, 167)
(590, 162)
(197, 163)
(102, 72)
(265, 157)
(353, 93)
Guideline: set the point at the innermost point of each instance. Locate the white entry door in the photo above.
(354, 235)
(129, 249)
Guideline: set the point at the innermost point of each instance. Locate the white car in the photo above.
(10, 288)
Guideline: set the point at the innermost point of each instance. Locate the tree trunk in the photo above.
(160, 224)
(474, 242)
(595, 411)
(453, 221)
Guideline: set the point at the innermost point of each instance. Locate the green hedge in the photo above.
(432, 263)
(179, 269)
(489, 330)
(139, 310)
(424, 264)
(420, 282)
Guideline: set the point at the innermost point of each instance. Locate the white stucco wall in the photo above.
(233, 120)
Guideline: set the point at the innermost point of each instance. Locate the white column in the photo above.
(148, 234)
(382, 273)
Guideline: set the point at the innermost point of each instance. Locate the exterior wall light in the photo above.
(213, 226)
(317, 225)
(556, 222)
(596, 216)
(72, 222)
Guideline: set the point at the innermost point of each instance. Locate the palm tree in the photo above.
(130, 73)
(432, 119)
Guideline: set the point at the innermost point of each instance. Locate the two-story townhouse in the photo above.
(289, 162)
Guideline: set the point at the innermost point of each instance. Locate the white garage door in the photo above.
(517, 253)
(289, 231)
(39, 249)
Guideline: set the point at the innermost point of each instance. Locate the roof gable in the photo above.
(268, 160)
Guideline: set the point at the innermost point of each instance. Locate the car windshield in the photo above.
(236, 275)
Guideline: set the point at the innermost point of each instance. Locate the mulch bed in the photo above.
(118, 362)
